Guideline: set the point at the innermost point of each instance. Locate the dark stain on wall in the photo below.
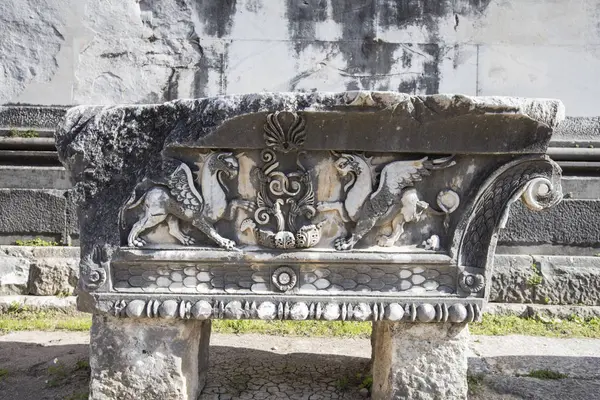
(426, 12)
(302, 16)
(370, 61)
(216, 15)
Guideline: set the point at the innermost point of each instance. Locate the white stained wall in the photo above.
(143, 51)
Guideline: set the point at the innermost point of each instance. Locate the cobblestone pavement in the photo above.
(47, 366)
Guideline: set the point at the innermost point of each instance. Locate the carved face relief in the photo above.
(227, 163)
(346, 164)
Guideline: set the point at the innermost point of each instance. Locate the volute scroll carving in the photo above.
(94, 268)
(536, 180)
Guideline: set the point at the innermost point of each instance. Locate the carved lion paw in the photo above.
(139, 242)
(248, 205)
(385, 241)
(227, 244)
(187, 240)
(342, 244)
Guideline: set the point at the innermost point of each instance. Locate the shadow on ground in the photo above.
(256, 374)
(535, 377)
(59, 371)
(31, 371)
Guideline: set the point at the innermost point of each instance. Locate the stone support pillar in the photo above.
(148, 359)
(421, 361)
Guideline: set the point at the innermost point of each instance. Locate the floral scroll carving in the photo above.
(283, 197)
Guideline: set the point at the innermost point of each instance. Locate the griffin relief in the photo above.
(179, 199)
(392, 200)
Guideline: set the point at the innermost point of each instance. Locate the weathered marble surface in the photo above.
(86, 52)
(163, 360)
(419, 361)
(326, 206)
(371, 183)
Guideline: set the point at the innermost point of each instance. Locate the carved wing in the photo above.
(181, 183)
(397, 175)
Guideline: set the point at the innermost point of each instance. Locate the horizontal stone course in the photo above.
(572, 222)
(518, 279)
(46, 213)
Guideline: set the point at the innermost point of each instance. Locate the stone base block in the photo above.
(148, 359)
(419, 361)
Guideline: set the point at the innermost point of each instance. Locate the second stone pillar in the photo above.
(419, 361)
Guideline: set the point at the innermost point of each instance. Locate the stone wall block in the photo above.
(150, 359)
(30, 212)
(558, 280)
(571, 222)
(53, 276)
(14, 274)
(419, 361)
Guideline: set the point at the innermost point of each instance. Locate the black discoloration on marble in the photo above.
(369, 60)
(303, 15)
(216, 15)
(398, 13)
(171, 88)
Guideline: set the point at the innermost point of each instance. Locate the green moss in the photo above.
(36, 242)
(3, 373)
(30, 133)
(475, 383)
(545, 374)
(513, 325)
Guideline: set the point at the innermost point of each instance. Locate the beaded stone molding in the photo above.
(296, 311)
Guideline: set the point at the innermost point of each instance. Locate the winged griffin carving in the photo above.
(393, 200)
(179, 199)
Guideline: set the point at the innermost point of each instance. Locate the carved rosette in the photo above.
(471, 283)
(284, 278)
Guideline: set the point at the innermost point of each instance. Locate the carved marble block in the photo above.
(332, 206)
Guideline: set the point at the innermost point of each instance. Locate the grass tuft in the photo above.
(37, 242)
(3, 373)
(21, 318)
(545, 374)
(495, 325)
(30, 133)
(293, 328)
